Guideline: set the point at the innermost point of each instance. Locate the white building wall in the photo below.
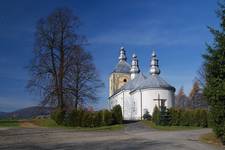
(135, 104)
(149, 95)
(127, 109)
(147, 102)
(123, 99)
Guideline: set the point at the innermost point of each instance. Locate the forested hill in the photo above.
(26, 113)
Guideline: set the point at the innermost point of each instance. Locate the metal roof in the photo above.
(132, 84)
(122, 67)
(154, 81)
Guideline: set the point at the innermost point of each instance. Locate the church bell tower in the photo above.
(121, 73)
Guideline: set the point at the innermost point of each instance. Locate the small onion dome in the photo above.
(134, 67)
(122, 66)
(154, 66)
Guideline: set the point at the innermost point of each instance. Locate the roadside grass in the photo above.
(210, 138)
(49, 123)
(9, 123)
(168, 128)
(45, 122)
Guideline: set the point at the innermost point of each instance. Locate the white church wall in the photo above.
(127, 109)
(122, 99)
(136, 111)
(148, 103)
(148, 96)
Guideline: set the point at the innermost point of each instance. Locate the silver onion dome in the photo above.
(122, 66)
(122, 56)
(154, 69)
(134, 66)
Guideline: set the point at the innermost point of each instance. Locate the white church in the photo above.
(135, 92)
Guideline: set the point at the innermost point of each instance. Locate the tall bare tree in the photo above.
(55, 58)
(82, 79)
(181, 100)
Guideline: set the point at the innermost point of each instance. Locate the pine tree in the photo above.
(215, 76)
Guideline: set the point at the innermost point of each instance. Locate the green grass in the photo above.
(210, 138)
(168, 128)
(49, 123)
(9, 123)
(45, 122)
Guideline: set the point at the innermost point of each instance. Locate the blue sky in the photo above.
(177, 29)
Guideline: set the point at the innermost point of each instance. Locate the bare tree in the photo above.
(181, 100)
(55, 54)
(82, 79)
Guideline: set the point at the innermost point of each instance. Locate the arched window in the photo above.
(124, 80)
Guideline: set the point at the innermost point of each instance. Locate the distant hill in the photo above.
(27, 113)
(2, 114)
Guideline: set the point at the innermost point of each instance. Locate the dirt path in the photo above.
(134, 136)
(27, 124)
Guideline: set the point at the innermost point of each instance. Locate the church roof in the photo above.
(132, 84)
(122, 67)
(154, 81)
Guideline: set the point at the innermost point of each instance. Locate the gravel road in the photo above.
(134, 136)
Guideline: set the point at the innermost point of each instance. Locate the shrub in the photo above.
(117, 114)
(58, 116)
(203, 118)
(188, 117)
(87, 119)
(175, 116)
(164, 117)
(185, 118)
(156, 115)
(84, 118)
(97, 119)
(108, 119)
(147, 116)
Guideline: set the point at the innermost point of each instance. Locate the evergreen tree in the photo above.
(117, 114)
(147, 116)
(156, 115)
(164, 116)
(214, 62)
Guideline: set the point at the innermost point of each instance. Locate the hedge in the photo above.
(84, 118)
(181, 117)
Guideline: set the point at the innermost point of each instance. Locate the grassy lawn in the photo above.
(9, 123)
(168, 128)
(49, 123)
(210, 138)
